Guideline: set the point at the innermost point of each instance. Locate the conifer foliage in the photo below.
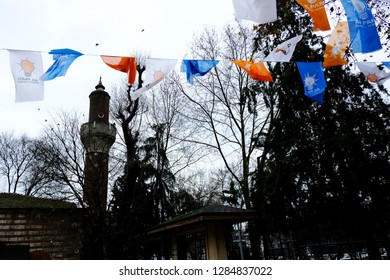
(323, 179)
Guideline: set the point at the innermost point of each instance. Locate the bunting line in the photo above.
(359, 29)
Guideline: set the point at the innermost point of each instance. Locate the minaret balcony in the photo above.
(97, 137)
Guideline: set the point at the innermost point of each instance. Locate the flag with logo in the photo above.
(373, 73)
(284, 51)
(259, 11)
(197, 68)
(363, 33)
(155, 71)
(387, 64)
(313, 78)
(337, 45)
(63, 58)
(124, 64)
(316, 10)
(27, 68)
(257, 71)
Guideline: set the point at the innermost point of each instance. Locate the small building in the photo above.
(39, 228)
(204, 234)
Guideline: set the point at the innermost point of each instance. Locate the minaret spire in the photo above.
(97, 135)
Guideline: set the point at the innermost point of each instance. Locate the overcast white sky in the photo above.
(116, 25)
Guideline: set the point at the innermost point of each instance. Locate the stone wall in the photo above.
(40, 233)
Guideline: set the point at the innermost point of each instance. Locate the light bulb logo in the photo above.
(27, 66)
(310, 81)
(336, 49)
(158, 75)
(372, 77)
(360, 8)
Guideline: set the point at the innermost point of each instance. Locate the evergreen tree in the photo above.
(324, 170)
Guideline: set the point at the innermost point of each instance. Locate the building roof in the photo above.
(12, 200)
(214, 213)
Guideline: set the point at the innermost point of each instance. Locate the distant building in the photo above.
(38, 228)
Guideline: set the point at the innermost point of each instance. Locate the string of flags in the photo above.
(359, 30)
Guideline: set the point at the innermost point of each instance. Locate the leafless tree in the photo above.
(163, 106)
(222, 114)
(58, 164)
(16, 157)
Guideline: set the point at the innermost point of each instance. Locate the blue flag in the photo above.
(363, 33)
(313, 79)
(387, 64)
(63, 59)
(196, 68)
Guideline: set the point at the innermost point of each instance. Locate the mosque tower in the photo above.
(97, 135)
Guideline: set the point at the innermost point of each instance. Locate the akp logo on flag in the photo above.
(26, 67)
(313, 78)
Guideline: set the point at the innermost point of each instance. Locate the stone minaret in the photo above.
(97, 135)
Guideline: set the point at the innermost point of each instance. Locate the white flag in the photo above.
(155, 71)
(26, 67)
(137, 93)
(284, 51)
(373, 73)
(259, 11)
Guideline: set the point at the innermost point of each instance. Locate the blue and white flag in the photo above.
(63, 59)
(387, 64)
(197, 68)
(313, 79)
(362, 29)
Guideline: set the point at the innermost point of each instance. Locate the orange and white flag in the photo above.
(316, 10)
(124, 64)
(337, 45)
(373, 73)
(257, 71)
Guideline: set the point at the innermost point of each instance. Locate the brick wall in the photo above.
(45, 232)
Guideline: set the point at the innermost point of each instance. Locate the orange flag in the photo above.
(124, 64)
(337, 45)
(257, 71)
(316, 10)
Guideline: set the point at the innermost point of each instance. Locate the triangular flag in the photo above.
(137, 93)
(155, 71)
(316, 10)
(284, 51)
(313, 78)
(337, 45)
(27, 68)
(124, 64)
(257, 71)
(259, 11)
(363, 33)
(196, 68)
(387, 64)
(373, 73)
(63, 59)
